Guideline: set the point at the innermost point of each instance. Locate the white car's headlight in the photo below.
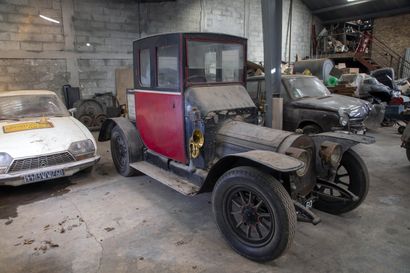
(82, 149)
(5, 161)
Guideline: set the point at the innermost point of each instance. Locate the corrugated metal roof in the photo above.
(330, 11)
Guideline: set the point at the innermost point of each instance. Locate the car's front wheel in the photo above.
(255, 213)
(351, 175)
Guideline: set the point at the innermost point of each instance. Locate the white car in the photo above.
(40, 140)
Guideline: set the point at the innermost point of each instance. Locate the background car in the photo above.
(308, 105)
(39, 140)
(406, 140)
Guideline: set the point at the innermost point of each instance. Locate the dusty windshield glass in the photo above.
(15, 107)
(211, 62)
(306, 87)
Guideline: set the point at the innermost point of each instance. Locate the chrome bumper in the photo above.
(17, 178)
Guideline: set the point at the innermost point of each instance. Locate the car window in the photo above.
(301, 87)
(252, 87)
(31, 106)
(210, 62)
(283, 92)
(145, 68)
(167, 60)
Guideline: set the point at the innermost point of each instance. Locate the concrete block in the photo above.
(53, 46)
(31, 46)
(4, 36)
(27, 10)
(4, 7)
(8, 27)
(41, 3)
(9, 45)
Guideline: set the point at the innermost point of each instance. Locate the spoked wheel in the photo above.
(351, 175)
(248, 212)
(254, 213)
(120, 152)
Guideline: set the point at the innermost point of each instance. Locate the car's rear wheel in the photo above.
(255, 213)
(121, 153)
(352, 175)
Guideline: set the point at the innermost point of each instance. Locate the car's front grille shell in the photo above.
(40, 162)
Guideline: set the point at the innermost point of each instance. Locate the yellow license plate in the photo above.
(25, 126)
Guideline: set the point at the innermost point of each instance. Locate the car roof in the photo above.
(25, 93)
(261, 77)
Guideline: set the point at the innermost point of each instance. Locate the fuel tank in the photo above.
(236, 137)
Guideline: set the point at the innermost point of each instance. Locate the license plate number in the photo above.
(35, 177)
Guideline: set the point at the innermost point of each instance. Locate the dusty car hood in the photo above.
(42, 141)
(355, 107)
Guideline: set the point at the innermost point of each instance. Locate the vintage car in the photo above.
(192, 126)
(308, 105)
(405, 138)
(39, 140)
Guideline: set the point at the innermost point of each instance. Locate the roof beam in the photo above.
(370, 15)
(345, 5)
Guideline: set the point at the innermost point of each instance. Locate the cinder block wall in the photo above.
(95, 36)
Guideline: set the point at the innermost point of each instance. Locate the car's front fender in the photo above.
(261, 159)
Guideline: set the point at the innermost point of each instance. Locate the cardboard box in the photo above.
(353, 70)
(341, 65)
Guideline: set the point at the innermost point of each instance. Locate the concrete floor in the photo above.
(108, 223)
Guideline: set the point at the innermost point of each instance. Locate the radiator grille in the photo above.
(40, 162)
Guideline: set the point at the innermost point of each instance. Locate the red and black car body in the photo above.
(193, 127)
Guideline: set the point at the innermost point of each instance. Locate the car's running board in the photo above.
(167, 178)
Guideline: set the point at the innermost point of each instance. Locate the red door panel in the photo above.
(160, 121)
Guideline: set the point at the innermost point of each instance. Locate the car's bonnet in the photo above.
(40, 141)
(354, 107)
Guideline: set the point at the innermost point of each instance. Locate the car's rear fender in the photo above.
(130, 132)
(279, 165)
(126, 126)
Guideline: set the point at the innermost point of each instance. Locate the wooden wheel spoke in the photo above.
(239, 224)
(258, 205)
(258, 231)
(242, 199)
(236, 203)
(248, 232)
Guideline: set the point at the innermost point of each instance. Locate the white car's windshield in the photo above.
(15, 107)
(306, 87)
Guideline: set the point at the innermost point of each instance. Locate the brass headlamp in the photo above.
(196, 142)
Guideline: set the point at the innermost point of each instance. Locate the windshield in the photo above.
(15, 107)
(212, 62)
(306, 87)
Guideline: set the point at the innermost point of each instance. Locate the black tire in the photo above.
(401, 129)
(311, 129)
(270, 224)
(121, 153)
(408, 153)
(358, 184)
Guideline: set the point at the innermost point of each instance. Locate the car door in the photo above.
(159, 101)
